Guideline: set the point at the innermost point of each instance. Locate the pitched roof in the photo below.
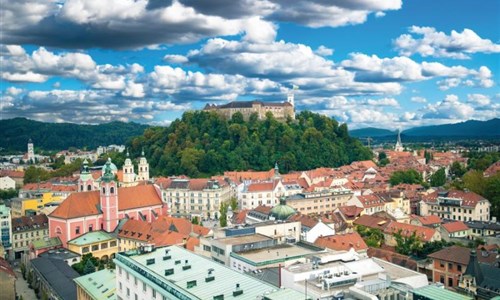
(393, 257)
(350, 211)
(58, 274)
(26, 223)
(425, 233)
(493, 169)
(371, 200)
(342, 242)
(87, 203)
(455, 226)
(372, 222)
(454, 254)
(305, 220)
(12, 174)
(261, 187)
(427, 220)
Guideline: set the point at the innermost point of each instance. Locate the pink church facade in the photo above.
(103, 209)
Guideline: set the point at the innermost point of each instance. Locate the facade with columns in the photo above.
(102, 209)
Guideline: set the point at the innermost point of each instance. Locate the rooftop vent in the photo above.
(150, 261)
(238, 291)
(169, 272)
(167, 257)
(210, 277)
(219, 297)
(191, 284)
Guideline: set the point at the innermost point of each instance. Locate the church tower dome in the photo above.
(143, 172)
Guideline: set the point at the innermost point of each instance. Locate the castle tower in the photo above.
(399, 145)
(31, 152)
(128, 172)
(143, 173)
(86, 181)
(109, 199)
(291, 97)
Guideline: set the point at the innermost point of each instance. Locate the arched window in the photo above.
(81, 188)
(112, 190)
(141, 169)
(104, 190)
(89, 187)
(58, 230)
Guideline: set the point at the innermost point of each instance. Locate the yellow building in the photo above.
(101, 244)
(34, 203)
(96, 286)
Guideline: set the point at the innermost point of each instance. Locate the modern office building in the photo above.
(176, 273)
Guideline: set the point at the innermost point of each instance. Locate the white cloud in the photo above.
(134, 90)
(14, 91)
(434, 43)
(418, 99)
(175, 59)
(383, 102)
(324, 51)
(448, 83)
(478, 99)
(379, 14)
(449, 108)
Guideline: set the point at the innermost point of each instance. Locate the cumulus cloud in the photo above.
(130, 24)
(324, 51)
(458, 45)
(478, 99)
(418, 99)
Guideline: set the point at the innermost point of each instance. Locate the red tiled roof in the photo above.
(372, 222)
(263, 209)
(191, 243)
(12, 174)
(493, 169)
(261, 187)
(341, 242)
(428, 220)
(240, 217)
(425, 233)
(393, 257)
(371, 200)
(351, 211)
(455, 226)
(249, 175)
(86, 203)
(304, 220)
(461, 255)
(28, 223)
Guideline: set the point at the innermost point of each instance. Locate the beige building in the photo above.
(199, 197)
(25, 230)
(319, 202)
(456, 205)
(101, 244)
(280, 110)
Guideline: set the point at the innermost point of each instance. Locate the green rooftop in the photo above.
(432, 292)
(99, 285)
(46, 243)
(91, 238)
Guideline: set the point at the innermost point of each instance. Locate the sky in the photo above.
(369, 63)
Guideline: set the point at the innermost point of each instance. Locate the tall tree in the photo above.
(438, 178)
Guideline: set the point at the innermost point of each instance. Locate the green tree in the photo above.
(457, 170)
(407, 245)
(428, 156)
(223, 215)
(233, 203)
(474, 181)
(195, 221)
(382, 155)
(492, 193)
(8, 194)
(89, 267)
(410, 176)
(438, 178)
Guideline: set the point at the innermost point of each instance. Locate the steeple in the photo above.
(128, 172)
(399, 145)
(143, 172)
(86, 181)
(108, 174)
(473, 268)
(276, 171)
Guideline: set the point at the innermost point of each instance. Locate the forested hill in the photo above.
(15, 133)
(204, 143)
(465, 129)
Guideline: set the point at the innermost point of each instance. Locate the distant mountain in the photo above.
(371, 132)
(15, 133)
(465, 129)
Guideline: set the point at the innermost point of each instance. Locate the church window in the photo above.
(89, 187)
(77, 230)
(104, 190)
(141, 169)
(81, 188)
(90, 227)
(112, 190)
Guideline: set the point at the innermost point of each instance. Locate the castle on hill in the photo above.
(280, 110)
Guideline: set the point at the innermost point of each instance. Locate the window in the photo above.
(89, 187)
(120, 286)
(135, 280)
(459, 268)
(143, 286)
(77, 230)
(128, 292)
(104, 190)
(136, 298)
(441, 279)
(441, 264)
(113, 244)
(112, 190)
(450, 266)
(85, 249)
(127, 279)
(154, 293)
(90, 227)
(104, 245)
(95, 247)
(450, 281)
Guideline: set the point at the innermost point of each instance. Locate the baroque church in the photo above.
(126, 177)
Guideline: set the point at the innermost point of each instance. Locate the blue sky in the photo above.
(388, 64)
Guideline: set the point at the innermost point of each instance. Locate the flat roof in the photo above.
(59, 253)
(190, 268)
(99, 285)
(49, 242)
(437, 293)
(243, 239)
(91, 238)
(273, 254)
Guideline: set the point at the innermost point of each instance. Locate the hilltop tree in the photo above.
(438, 178)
